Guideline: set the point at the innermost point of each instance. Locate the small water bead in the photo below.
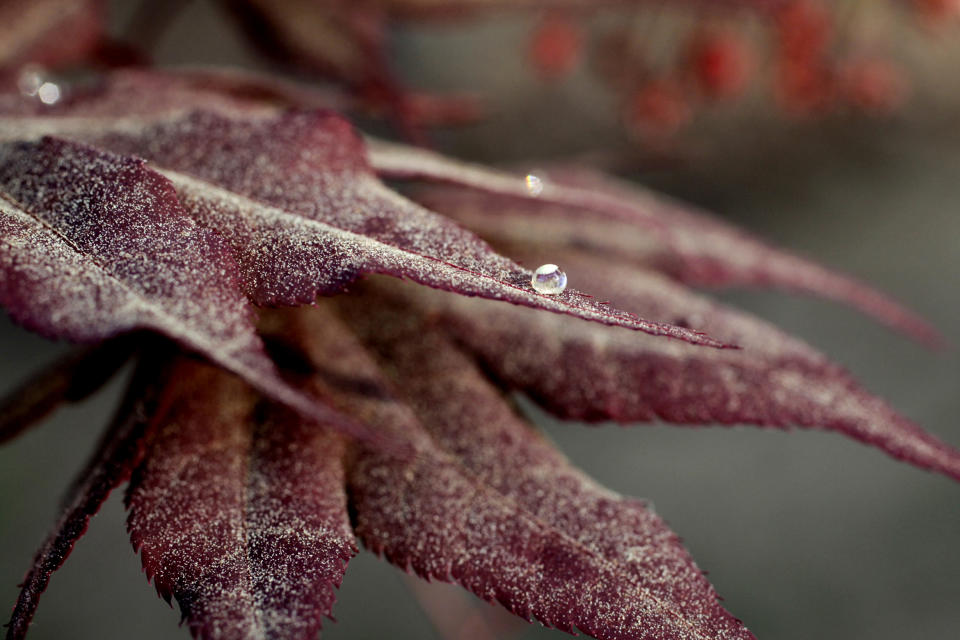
(549, 280)
(534, 185)
(32, 82)
(49, 93)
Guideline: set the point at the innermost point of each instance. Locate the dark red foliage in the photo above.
(176, 204)
(584, 374)
(330, 221)
(97, 244)
(239, 511)
(488, 504)
(628, 224)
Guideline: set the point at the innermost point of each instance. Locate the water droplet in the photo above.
(49, 93)
(549, 280)
(534, 185)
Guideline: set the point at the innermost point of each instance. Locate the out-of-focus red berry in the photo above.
(938, 8)
(556, 46)
(805, 87)
(804, 82)
(720, 63)
(804, 29)
(659, 108)
(873, 84)
(937, 11)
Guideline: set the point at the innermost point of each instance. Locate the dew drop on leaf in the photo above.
(534, 185)
(549, 280)
(49, 93)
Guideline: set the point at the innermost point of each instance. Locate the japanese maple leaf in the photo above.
(153, 216)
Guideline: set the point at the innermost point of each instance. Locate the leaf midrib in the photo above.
(147, 304)
(267, 210)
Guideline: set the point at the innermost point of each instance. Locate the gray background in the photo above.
(806, 534)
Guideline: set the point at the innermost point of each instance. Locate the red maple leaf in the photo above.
(293, 396)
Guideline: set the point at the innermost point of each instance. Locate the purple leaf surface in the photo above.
(453, 519)
(589, 373)
(239, 511)
(305, 215)
(471, 420)
(295, 197)
(616, 219)
(110, 465)
(238, 502)
(93, 245)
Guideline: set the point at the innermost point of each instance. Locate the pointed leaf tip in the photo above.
(110, 465)
(585, 372)
(291, 191)
(253, 539)
(631, 224)
(95, 244)
(444, 516)
(295, 191)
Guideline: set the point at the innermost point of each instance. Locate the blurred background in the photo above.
(805, 534)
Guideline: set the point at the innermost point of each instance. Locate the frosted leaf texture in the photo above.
(93, 244)
(248, 194)
(240, 513)
(471, 421)
(630, 224)
(305, 215)
(294, 196)
(578, 373)
(451, 515)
